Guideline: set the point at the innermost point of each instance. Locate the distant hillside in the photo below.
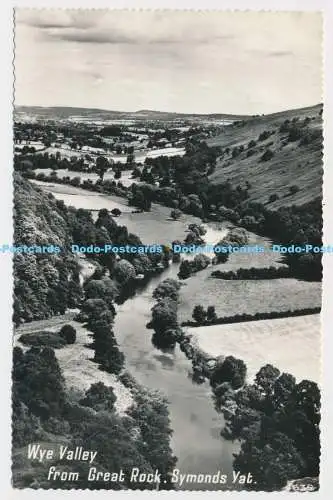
(66, 113)
(293, 140)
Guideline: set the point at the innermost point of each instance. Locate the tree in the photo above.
(231, 370)
(124, 271)
(99, 397)
(142, 264)
(105, 220)
(68, 332)
(167, 288)
(130, 159)
(200, 261)
(211, 314)
(116, 212)
(268, 155)
(199, 314)
(138, 199)
(102, 166)
(272, 460)
(266, 377)
(94, 309)
(198, 229)
(165, 339)
(273, 197)
(176, 256)
(185, 270)
(107, 352)
(277, 422)
(103, 288)
(164, 315)
(38, 381)
(136, 172)
(293, 189)
(117, 173)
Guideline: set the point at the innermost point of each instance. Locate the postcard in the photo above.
(168, 180)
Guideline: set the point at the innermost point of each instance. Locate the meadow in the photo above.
(290, 344)
(74, 360)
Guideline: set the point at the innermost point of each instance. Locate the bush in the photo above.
(124, 271)
(211, 314)
(200, 261)
(185, 270)
(169, 288)
(199, 314)
(268, 155)
(273, 197)
(175, 214)
(116, 212)
(68, 333)
(295, 133)
(293, 189)
(49, 339)
(264, 135)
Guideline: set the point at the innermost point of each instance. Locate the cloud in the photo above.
(113, 37)
(55, 19)
(83, 36)
(168, 59)
(280, 53)
(118, 27)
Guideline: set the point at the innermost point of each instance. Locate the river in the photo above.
(196, 439)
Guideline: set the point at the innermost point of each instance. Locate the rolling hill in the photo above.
(69, 113)
(294, 141)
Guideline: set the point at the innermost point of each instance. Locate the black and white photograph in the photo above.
(167, 251)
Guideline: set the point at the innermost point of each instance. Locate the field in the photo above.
(247, 297)
(292, 163)
(74, 359)
(140, 156)
(290, 344)
(154, 227)
(126, 175)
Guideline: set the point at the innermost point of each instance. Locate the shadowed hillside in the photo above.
(279, 155)
(44, 283)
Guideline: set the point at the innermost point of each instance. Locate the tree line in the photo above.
(203, 318)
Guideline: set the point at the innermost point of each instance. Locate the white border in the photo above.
(6, 51)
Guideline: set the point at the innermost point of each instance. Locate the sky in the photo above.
(181, 61)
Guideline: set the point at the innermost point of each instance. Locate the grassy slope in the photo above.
(291, 164)
(75, 359)
(290, 344)
(246, 296)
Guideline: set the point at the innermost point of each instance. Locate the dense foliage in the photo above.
(45, 412)
(253, 273)
(44, 284)
(49, 283)
(164, 314)
(202, 319)
(277, 422)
